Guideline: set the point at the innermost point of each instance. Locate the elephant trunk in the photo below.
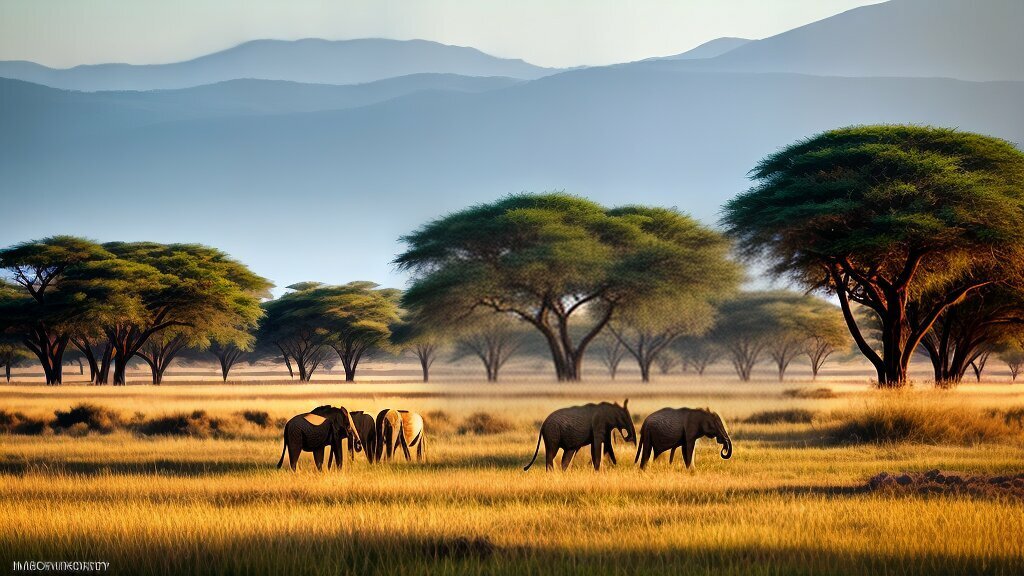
(727, 448)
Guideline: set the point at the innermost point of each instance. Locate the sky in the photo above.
(556, 33)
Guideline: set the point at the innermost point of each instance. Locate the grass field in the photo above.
(790, 501)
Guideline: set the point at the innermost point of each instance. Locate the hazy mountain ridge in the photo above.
(636, 133)
(311, 61)
(979, 41)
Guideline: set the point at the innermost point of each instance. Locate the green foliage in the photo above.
(551, 257)
(352, 319)
(883, 216)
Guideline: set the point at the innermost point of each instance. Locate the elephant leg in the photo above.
(596, 452)
(688, 452)
(645, 456)
(567, 456)
(672, 455)
(318, 458)
(405, 449)
(609, 450)
(419, 450)
(293, 456)
(550, 449)
(341, 455)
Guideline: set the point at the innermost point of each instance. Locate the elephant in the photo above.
(389, 434)
(412, 434)
(671, 428)
(312, 433)
(364, 425)
(570, 429)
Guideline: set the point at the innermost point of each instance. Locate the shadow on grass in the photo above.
(309, 553)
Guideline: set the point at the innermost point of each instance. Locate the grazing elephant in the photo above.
(364, 426)
(412, 434)
(312, 433)
(570, 429)
(671, 428)
(389, 434)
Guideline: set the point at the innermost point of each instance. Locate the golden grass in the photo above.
(784, 504)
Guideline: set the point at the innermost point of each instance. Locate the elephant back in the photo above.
(412, 426)
(666, 423)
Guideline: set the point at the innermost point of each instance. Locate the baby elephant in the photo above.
(671, 428)
(570, 429)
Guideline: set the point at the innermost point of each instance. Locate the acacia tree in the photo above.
(746, 327)
(886, 216)
(306, 324)
(964, 334)
(148, 288)
(551, 259)
(46, 313)
(1011, 351)
(648, 329)
(360, 316)
(698, 352)
(804, 325)
(12, 353)
(494, 339)
(611, 353)
(423, 339)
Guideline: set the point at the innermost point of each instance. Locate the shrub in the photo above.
(198, 424)
(18, 423)
(439, 422)
(809, 393)
(484, 423)
(901, 421)
(791, 416)
(257, 417)
(84, 418)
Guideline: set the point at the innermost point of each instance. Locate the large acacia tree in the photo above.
(150, 299)
(551, 259)
(889, 217)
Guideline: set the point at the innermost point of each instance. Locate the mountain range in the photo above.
(302, 180)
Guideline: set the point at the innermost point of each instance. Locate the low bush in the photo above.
(791, 416)
(84, 418)
(920, 422)
(257, 417)
(18, 423)
(809, 393)
(198, 424)
(439, 422)
(485, 423)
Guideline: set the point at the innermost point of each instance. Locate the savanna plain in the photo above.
(795, 498)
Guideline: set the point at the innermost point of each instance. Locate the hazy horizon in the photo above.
(62, 34)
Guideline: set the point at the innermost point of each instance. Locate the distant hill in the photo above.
(312, 61)
(639, 133)
(710, 49)
(964, 39)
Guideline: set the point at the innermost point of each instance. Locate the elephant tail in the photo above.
(284, 448)
(540, 435)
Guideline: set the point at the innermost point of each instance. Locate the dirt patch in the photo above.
(945, 482)
(810, 393)
(485, 423)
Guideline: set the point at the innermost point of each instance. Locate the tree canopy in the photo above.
(551, 258)
(887, 217)
(351, 319)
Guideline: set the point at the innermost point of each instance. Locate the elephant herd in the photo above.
(327, 426)
(567, 429)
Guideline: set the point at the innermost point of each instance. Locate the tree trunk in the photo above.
(7, 372)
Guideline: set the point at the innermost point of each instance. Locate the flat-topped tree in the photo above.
(45, 313)
(305, 324)
(551, 259)
(148, 288)
(887, 216)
